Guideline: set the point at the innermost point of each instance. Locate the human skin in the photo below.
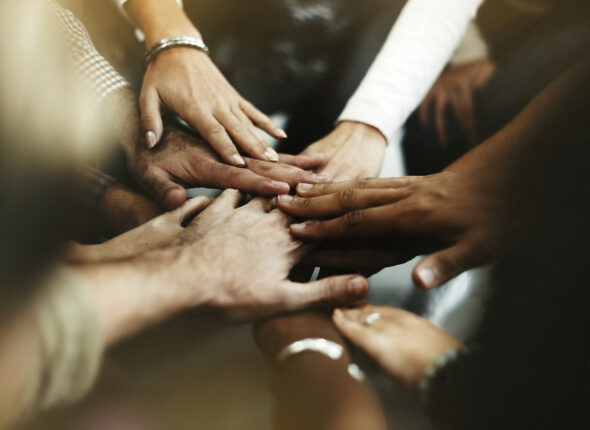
(312, 391)
(178, 77)
(456, 89)
(231, 260)
(352, 150)
(402, 343)
(479, 208)
(183, 159)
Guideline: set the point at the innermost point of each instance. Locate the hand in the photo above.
(353, 150)
(157, 233)
(456, 90)
(184, 159)
(468, 217)
(402, 343)
(122, 209)
(243, 256)
(187, 82)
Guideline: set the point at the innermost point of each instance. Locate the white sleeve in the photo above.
(417, 49)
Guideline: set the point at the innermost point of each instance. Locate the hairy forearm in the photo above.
(159, 19)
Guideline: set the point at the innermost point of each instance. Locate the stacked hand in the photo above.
(187, 82)
(183, 159)
(465, 217)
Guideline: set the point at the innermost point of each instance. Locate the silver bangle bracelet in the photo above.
(323, 346)
(173, 42)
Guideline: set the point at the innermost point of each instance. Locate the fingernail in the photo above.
(271, 154)
(298, 227)
(282, 186)
(427, 275)
(281, 133)
(304, 187)
(356, 286)
(150, 139)
(285, 198)
(238, 160)
(321, 178)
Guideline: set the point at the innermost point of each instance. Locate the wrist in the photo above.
(159, 19)
(362, 131)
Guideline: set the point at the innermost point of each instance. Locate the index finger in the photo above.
(311, 190)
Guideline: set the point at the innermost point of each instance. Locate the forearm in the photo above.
(159, 19)
(313, 391)
(135, 294)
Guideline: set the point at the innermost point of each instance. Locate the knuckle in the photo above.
(214, 130)
(353, 219)
(347, 198)
(362, 182)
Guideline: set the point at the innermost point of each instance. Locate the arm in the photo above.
(312, 391)
(476, 210)
(415, 52)
(178, 77)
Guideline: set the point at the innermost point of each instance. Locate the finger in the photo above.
(303, 161)
(191, 208)
(396, 219)
(243, 133)
(338, 203)
(168, 194)
(426, 107)
(229, 199)
(311, 190)
(354, 331)
(464, 108)
(214, 133)
(440, 107)
(151, 119)
(224, 176)
(262, 121)
(284, 172)
(359, 313)
(259, 205)
(332, 291)
(438, 268)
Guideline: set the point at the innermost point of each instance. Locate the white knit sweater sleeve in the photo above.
(416, 50)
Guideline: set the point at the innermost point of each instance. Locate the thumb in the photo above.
(151, 119)
(191, 208)
(168, 194)
(335, 290)
(444, 265)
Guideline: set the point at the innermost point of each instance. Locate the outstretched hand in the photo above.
(188, 83)
(465, 218)
(243, 256)
(183, 159)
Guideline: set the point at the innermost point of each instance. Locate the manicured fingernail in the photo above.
(238, 160)
(356, 286)
(150, 139)
(281, 133)
(298, 227)
(321, 178)
(427, 275)
(304, 187)
(271, 154)
(285, 198)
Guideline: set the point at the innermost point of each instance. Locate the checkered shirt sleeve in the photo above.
(97, 75)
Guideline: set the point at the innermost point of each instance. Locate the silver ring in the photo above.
(371, 318)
